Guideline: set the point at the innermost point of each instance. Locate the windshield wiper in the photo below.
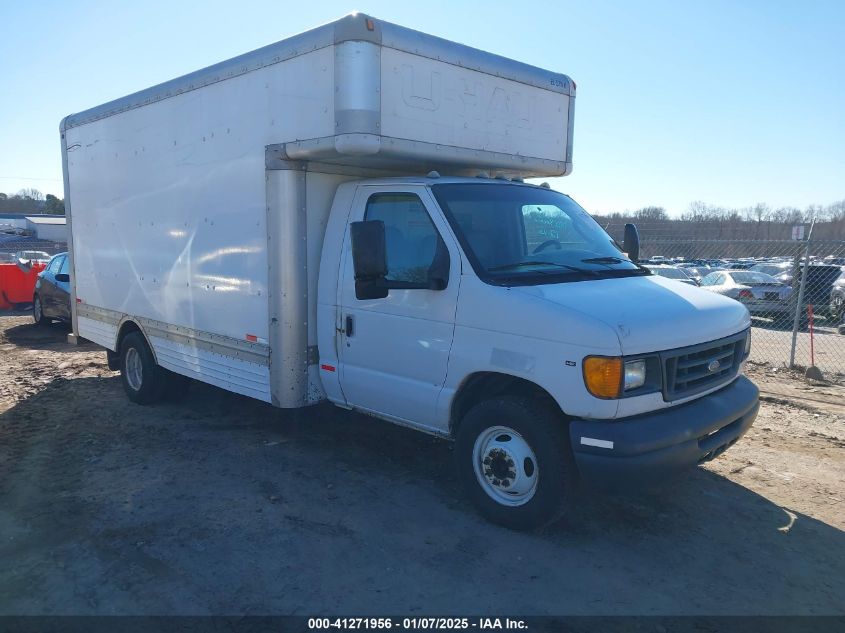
(610, 259)
(535, 263)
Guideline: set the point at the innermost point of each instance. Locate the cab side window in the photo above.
(54, 265)
(65, 265)
(411, 241)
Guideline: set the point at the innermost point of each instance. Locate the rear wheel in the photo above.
(514, 463)
(38, 312)
(143, 379)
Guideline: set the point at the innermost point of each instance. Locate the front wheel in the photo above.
(513, 460)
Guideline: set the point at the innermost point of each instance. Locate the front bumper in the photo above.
(644, 449)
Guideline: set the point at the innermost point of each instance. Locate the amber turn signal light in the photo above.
(603, 376)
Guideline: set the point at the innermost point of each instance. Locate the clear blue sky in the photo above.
(729, 102)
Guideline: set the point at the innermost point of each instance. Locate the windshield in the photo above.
(518, 235)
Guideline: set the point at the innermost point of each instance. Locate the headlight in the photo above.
(634, 374)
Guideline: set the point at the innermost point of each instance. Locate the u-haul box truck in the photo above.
(341, 216)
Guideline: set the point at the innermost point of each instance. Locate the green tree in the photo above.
(54, 205)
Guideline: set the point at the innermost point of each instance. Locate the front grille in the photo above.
(691, 370)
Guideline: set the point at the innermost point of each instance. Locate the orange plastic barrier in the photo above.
(17, 284)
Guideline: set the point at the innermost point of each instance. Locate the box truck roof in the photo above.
(399, 99)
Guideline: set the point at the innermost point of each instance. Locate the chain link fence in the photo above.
(13, 248)
(794, 290)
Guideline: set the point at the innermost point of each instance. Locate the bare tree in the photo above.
(651, 213)
(31, 194)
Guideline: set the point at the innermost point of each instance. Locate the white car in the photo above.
(762, 294)
(673, 272)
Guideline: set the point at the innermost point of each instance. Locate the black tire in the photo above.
(544, 430)
(151, 384)
(38, 312)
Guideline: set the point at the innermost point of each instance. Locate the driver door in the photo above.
(394, 351)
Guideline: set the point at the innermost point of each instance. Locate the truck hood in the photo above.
(649, 314)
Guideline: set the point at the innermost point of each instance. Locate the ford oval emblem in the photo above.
(713, 366)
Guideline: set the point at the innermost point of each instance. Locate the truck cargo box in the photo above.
(363, 92)
(191, 202)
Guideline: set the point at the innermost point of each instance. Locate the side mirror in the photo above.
(62, 277)
(631, 243)
(369, 259)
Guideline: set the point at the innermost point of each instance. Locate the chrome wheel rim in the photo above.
(36, 308)
(505, 466)
(134, 369)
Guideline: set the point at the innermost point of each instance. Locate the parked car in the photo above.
(51, 299)
(762, 294)
(834, 261)
(782, 271)
(820, 281)
(740, 264)
(673, 272)
(33, 256)
(697, 272)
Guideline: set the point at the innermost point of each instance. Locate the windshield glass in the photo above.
(516, 234)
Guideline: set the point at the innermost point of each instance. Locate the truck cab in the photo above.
(500, 314)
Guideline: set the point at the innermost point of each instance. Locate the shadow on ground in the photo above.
(32, 336)
(221, 504)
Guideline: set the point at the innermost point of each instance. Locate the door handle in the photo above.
(349, 325)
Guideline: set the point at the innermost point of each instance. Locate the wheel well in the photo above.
(485, 385)
(126, 328)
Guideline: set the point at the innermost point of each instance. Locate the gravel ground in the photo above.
(222, 505)
(771, 344)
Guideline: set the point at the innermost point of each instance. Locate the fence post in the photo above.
(800, 303)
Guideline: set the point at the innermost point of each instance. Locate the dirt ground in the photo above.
(220, 504)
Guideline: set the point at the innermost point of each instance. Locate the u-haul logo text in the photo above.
(465, 96)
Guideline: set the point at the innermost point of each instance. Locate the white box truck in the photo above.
(341, 216)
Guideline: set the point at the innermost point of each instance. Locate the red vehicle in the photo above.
(17, 282)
